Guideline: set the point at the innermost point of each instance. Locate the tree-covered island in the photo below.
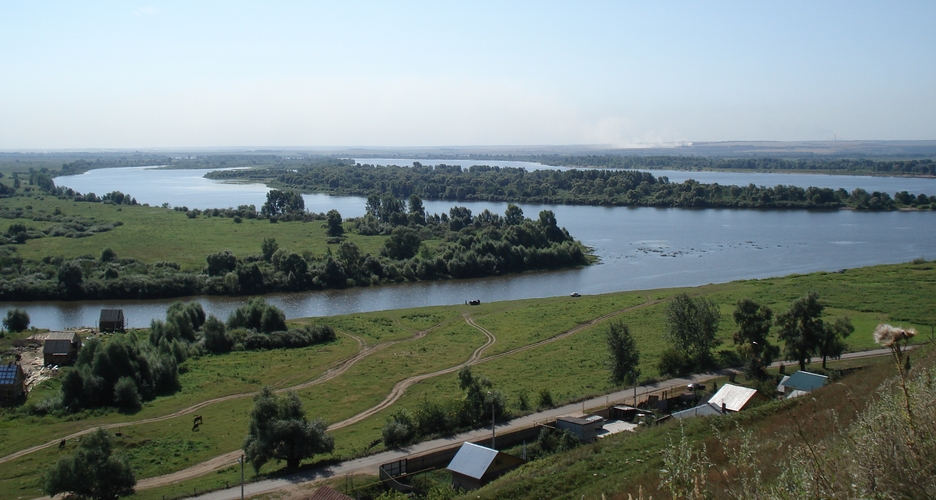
(612, 187)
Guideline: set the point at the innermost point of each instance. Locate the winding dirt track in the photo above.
(332, 372)
(396, 393)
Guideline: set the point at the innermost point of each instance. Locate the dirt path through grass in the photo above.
(332, 372)
(395, 394)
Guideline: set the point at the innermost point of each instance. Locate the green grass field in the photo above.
(572, 368)
(153, 234)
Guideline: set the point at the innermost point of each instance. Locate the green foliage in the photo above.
(832, 341)
(94, 472)
(752, 337)
(623, 355)
(675, 362)
(333, 222)
(16, 320)
(279, 430)
(70, 276)
(684, 468)
(409, 246)
(126, 394)
(268, 248)
(615, 186)
(256, 314)
(221, 263)
(545, 399)
(403, 244)
(692, 326)
(121, 373)
(801, 328)
(216, 337)
(282, 203)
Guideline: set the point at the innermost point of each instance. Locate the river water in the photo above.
(639, 248)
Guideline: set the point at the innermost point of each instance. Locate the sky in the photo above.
(117, 74)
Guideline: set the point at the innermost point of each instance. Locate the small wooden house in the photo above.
(61, 348)
(474, 466)
(12, 384)
(112, 320)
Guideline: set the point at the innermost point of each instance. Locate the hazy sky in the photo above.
(180, 74)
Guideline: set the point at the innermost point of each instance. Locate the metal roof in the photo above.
(8, 374)
(108, 315)
(805, 381)
(472, 460)
(586, 420)
(703, 410)
(69, 336)
(734, 397)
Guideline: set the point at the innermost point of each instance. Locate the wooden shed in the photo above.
(112, 320)
(60, 348)
(474, 466)
(585, 428)
(12, 384)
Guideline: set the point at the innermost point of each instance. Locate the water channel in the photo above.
(639, 248)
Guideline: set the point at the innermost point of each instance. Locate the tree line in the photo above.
(692, 335)
(836, 165)
(612, 187)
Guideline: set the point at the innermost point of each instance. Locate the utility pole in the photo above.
(241, 460)
(635, 389)
(492, 421)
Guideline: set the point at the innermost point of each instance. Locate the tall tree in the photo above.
(94, 472)
(333, 222)
(801, 328)
(692, 325)
(282, 202)
(623, 354)
(832, 342)
(751, 338)
(268, 248)
(417, 212)
(279, 430)
(16, 320)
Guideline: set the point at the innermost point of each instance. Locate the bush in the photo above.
(673, 362)
(257, 315)
(545, 399)
(126, 394)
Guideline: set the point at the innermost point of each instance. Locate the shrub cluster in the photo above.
(434, 418)
(123, 373)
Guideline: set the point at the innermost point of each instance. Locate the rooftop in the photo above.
(734, 397)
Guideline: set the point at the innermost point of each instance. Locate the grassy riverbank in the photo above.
(430, 339)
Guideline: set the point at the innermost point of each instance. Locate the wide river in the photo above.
(639, 248)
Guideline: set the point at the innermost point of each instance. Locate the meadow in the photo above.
(404, 343)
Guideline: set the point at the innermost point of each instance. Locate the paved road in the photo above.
(369, 464)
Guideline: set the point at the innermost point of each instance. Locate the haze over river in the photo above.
(639, 248)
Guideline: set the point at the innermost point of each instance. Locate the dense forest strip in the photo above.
(915, 167)
(608, 187)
